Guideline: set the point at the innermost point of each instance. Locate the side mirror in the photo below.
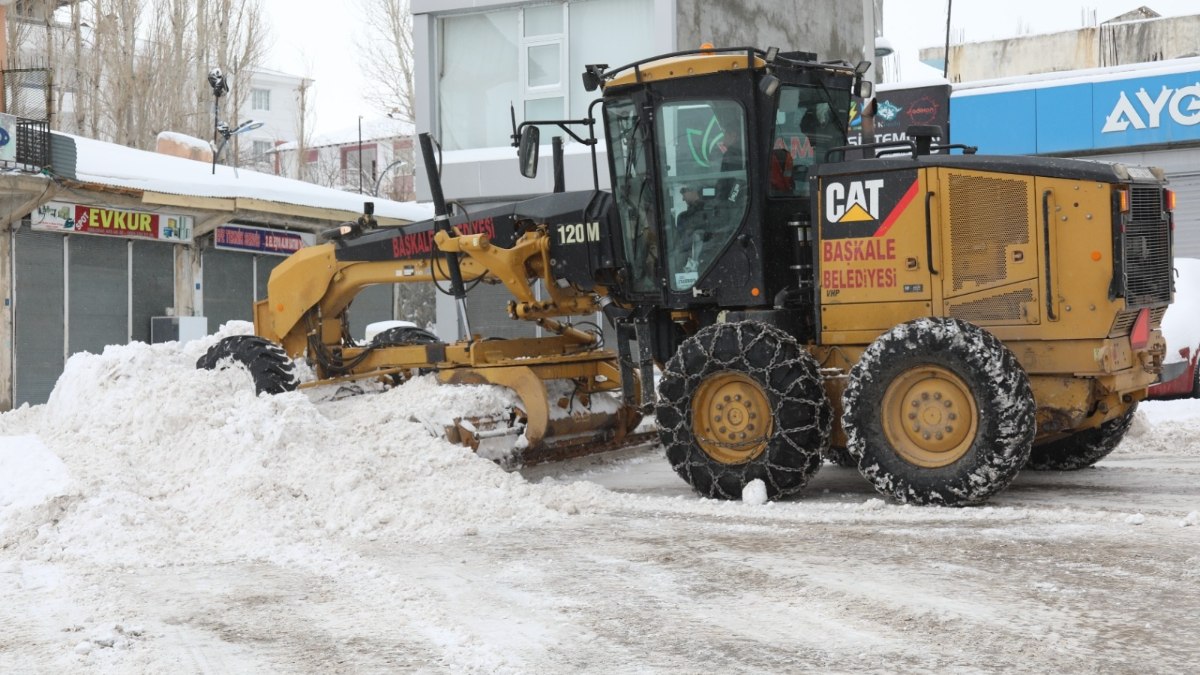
(527, 151)
(593, 76)
(865, 89)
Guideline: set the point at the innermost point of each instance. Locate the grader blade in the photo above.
(554, 421)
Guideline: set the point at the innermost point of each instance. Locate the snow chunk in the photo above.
(29, 474)
(872, 505)
(755, 492)
(1190, 519)
(1135, 519)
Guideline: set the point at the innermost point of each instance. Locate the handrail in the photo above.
(1046, 233)
(610, 73)
(929, 233)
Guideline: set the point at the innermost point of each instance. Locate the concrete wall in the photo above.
(1153, 40)
(1110, 44)
(838, 30)
(1026, 55)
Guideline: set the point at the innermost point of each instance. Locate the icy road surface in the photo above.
(158, 519)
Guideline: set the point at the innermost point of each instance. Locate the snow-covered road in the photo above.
(171, 522)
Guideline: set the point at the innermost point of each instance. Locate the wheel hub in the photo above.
(731, 417)
(930, 416)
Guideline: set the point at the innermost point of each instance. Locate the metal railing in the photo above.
(33, 143)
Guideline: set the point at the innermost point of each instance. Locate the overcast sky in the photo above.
(316, 38)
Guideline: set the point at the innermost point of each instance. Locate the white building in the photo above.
(374, 157)
(274, 100)
(474, 57)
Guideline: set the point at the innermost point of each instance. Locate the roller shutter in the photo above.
(37, 315)
(1187, 214)
(228, 287)
(263, 265)
(373, 304)
(153, 285)
(98, 293)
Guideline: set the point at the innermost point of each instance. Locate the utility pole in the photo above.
(946, 60)
(3, 48)
(360, 159)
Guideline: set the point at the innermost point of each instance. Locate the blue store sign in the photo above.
(1099, 112)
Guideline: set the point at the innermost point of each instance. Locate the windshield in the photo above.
(633, 191)
(807, 125)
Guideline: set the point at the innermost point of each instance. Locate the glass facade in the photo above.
(531, 57)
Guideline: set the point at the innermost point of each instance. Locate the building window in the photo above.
(260, 150)
(260, 99)
(542, 64)
(535, 56)
(359, 165)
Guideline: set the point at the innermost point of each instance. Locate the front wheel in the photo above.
(268, 365)
(939, 411)
(739, 402)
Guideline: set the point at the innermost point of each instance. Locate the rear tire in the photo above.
(269, 366)
(739, 402)
(1196, 378)
(1082, 449)
(939, 411)
(841, 457)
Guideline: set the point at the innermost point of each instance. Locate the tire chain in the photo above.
(699, 357)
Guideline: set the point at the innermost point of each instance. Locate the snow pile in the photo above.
(170, 464)
(1167, 427)
(1181, 325)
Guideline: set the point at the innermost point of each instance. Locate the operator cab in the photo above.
(709, 154)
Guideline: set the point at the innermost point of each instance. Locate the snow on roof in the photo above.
(119, 166)
(185, 140)
(372, 130)
(1082, 76)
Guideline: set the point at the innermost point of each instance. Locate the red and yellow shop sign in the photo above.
(62, 217)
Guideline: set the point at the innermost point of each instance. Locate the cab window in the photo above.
(633, 192)
(806, 127)
(703, 182)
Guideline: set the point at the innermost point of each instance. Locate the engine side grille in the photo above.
(987, 215)
(1125, 320)
(1006, 307)
(1147, 250)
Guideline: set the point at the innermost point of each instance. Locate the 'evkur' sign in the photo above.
(62, 217)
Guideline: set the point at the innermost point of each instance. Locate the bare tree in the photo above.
(132, 68)
(386, 56)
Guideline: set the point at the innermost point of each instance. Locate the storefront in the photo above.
(87, 260)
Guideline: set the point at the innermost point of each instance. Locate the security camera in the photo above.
(216, 80)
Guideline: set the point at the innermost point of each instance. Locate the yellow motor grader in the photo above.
(938, 320)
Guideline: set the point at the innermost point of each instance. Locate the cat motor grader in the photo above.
(939, 320)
